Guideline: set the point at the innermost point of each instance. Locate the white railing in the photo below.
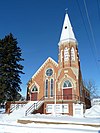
(33, 107)
(16, 107)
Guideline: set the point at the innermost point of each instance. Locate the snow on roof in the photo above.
(67, 33)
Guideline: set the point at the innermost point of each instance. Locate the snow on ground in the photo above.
(94, 111)
(19, 112)
(2, 110)
(58, 118)
(9, 126)
(8, 123)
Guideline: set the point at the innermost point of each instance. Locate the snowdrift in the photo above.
(94, 112)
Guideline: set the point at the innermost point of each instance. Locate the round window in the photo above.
(49, 72)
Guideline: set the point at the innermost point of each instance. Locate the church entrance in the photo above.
(34, 96)
(67, 90)
(34, 93)
(67, 94)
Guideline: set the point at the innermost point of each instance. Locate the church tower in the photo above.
(68, 52)
(68, 61)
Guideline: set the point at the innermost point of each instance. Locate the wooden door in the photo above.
(67, 93)
(34, 96)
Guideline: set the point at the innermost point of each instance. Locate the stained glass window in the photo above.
(46, 88)
(49, 72)
(67, 83)
(34, 89)
(51, 88)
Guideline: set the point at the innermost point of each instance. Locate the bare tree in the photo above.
(91, 86)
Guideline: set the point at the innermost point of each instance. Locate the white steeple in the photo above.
(67, 33)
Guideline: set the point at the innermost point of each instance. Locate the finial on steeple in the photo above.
(66, 10)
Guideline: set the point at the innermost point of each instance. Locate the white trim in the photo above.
(67, 78)
(67, 86)
(72, 54)
(67, 33)
(67, 41)
(66, 54)
(61, 56)
(64, 81)
(48, 59)
(32, 88)
(34, 84)
(34, 92)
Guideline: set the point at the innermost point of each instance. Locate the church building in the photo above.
(57, 86)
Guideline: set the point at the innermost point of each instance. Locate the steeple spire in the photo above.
(67, 33)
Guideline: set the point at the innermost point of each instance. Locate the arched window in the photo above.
(51, 87)
(66, 54)
(67, 84)
(46, 88)
(72, 54)
(34, 89)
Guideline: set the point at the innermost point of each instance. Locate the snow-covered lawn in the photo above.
(51, 123)
(8, 125)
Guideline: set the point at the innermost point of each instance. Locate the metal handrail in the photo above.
(39, 102)
(16, 107)
(35, 106)
(30, 108)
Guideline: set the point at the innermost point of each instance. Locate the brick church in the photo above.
(60, 83)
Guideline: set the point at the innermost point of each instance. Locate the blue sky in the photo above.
(37, 26)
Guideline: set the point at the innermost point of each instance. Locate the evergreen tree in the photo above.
(10, 68)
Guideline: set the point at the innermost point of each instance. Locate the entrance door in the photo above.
(34, 96)
(67, 93)
(67, 90)
(34, 93)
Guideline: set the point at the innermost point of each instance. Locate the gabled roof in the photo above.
(67, 33)
(48, 59)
